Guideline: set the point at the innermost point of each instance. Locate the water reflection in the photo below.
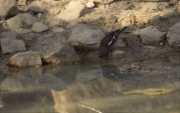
(92, 87)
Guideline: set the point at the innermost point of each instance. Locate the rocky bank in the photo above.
(34, 32)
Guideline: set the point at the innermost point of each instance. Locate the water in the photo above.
(93, 87)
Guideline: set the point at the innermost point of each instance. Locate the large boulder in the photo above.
(150, 35)
(73, 11)
(25, 59)
(84, 37)
(173, 35)
(15, 22)
(8, 8)
(54, 48)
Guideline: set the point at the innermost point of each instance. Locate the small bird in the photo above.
(109, 42)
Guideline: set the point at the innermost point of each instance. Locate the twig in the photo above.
(90, 108)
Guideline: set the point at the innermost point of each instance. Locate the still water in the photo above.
(94, 87)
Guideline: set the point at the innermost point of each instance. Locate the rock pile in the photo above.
(53, 30)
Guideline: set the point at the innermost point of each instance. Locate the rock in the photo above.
(154, 18)
(148, 6)
(126, 22)
(8, 8)
(173, 2)
(9, 34)
(29, 36)
(173, 35)
(120, 43)
(110, 19)
(58, 29)
(39, 27)
(22, 2)
(22, 31)
(82, 36)
(162, 5)
(90, 4)
(10, 45)
(117, 53)
(174, 59)
(54, 10)
(28, 19)
(108, 28)
(55, 49)
(168, 12)
(73, 11)
(15, 22)
(25, 59)
(150, 35)
(57, 22)
(36, 7)
(103, 1)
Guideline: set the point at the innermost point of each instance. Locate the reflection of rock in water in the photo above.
(66, 73)
(56, 78)
(59, 77)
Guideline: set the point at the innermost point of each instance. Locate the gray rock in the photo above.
(39, 27)
(55, 49)
(10, 45)
(35, 9)
(58, 29)
(22, 31)
(82, 36)
(150, 35)
(108, 28)
(103, 1)
(57, 22)
(28, 19)
(173, 35)
(168, 12)
(22, 2)
(8, 8)
(73, 11)
(15, 22)
(61, 30)
(29, 36)
(120, 43)
(117, 53)
(25, 59)
(173, 2)
(9, 34)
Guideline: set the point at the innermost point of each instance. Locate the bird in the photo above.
(109, 42)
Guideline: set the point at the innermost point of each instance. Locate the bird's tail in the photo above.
(103, 52)
(121, 30)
